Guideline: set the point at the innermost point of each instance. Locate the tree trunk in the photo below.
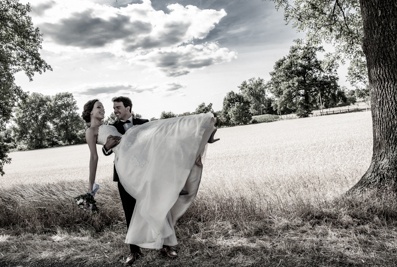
(380, 48)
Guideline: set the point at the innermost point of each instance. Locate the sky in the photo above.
(166, 55)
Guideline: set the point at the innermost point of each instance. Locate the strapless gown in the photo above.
(155, 161)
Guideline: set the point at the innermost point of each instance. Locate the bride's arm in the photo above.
(91, 141)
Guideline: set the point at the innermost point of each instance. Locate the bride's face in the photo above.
(98, 111)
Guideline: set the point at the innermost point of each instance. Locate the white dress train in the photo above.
(155, 161)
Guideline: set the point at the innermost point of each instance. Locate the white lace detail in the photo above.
(140, 163)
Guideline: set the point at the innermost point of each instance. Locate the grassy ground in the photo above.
(271, 195)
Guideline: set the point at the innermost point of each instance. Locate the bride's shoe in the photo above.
(183, 192)
(212, 140)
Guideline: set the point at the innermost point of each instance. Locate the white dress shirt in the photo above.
(127, 125)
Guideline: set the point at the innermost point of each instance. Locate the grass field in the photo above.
(272, 194)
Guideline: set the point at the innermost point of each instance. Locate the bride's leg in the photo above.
(198, 161)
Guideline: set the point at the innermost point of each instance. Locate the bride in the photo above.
(155, 161)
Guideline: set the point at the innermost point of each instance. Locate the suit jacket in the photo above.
(120, 128)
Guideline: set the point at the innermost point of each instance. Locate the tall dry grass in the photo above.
(271, 194)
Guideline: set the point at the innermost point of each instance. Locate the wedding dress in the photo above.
(155, 161)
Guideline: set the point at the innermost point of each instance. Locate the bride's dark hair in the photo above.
(87, 110)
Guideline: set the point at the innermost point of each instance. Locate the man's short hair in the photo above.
(126, 101)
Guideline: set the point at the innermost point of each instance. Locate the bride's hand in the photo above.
(89, 190)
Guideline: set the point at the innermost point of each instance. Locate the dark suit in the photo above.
(126, 199)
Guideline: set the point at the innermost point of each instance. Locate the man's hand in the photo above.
(112, 141)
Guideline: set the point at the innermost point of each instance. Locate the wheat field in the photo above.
(318, 157)
(272, 194)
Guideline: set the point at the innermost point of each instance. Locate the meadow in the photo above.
(272, 194)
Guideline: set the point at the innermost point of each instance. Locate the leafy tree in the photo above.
(236, 109)
(33, 121)
(350, 96)
(202, 108)
(167, 115)
(110, 119)
(301, 82)
(255, 91)
(44, 121)
(187, 113)
(19, 51)
(358, 28)
(228, 102)
(357, 74)
(66, 122)
(220, 119)
(338, 22)
(362, 94)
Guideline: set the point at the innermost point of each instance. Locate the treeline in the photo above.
(42, 121)
(299, 83)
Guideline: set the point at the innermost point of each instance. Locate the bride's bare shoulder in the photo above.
(91, 132)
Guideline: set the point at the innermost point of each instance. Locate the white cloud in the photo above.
(137, 32)
(177, 61)
(105, 89)
(169, 88)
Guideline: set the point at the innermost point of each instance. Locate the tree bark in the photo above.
(380, 48)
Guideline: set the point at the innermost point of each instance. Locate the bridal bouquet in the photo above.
(87, 201)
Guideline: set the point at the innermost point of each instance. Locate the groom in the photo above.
(125, 120)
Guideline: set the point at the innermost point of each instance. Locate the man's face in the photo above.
(121, 112)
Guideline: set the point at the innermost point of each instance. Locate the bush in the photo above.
(22, 147)
(11, 146)
(264, 118)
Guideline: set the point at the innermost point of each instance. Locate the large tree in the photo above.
(255, 90)
(236, 109)
(338, 22)
(33, 121)
(19, 51)
(66, 122)
(368, 27)
(56, 121)
(301, 82)
(202, 108)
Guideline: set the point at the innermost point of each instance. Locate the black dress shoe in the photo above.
(168, 252)
(183, 192)
(132, 257)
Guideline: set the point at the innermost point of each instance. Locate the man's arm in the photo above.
(111, 142)
(106, 152)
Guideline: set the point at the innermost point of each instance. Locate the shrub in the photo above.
(22, 147)
(264, 118)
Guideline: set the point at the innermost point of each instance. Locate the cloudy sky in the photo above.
(165, 55)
